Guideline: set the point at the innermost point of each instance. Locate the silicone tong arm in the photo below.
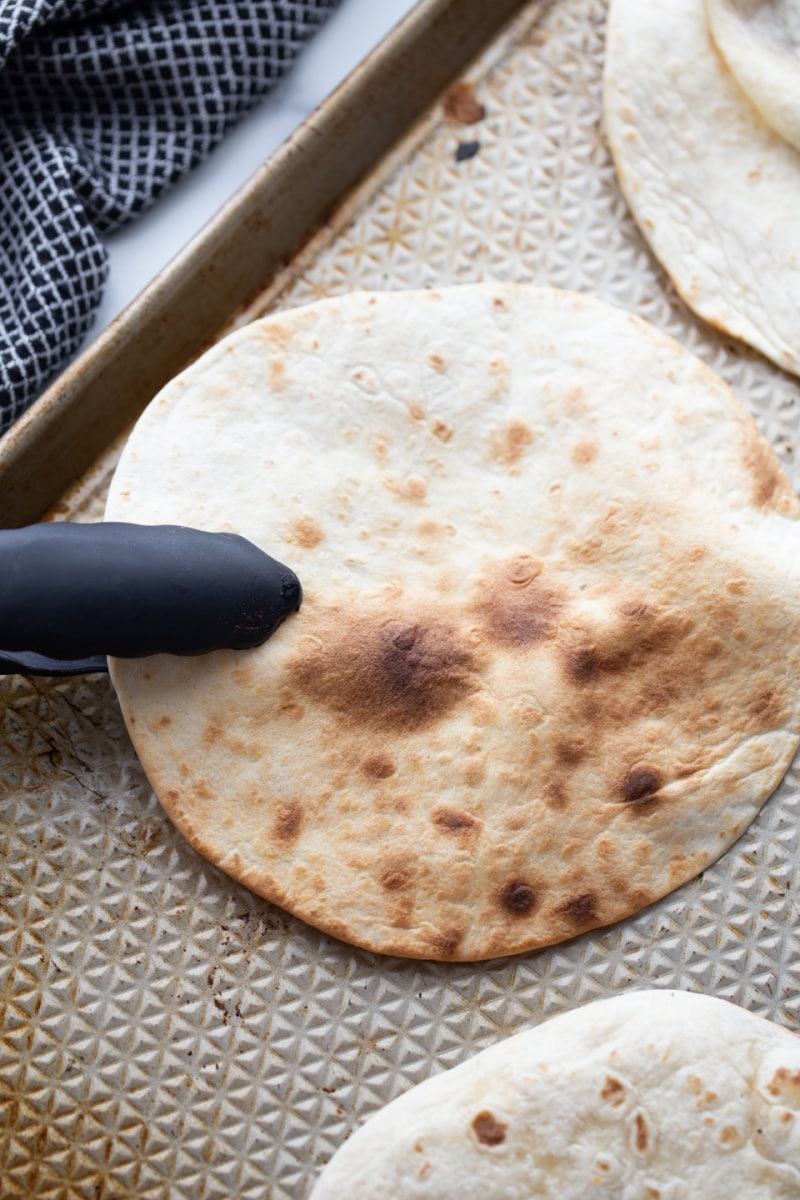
(72, 593)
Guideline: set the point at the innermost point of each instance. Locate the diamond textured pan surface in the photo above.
(166, 1034)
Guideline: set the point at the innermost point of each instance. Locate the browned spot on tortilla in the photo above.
(400, 909)
(277, 334)
(580, 908)
(767, 709)
(461, 106)
(575, 404)
(729, 1135)
(442, 431)
(447, 941)
(644, 638)
(488, 1130)
(684, 866)
(395, 880)
(242, 676)
(288, 707)
(570, 752)
(582, 663)
(518, 898)
(288, 821)
(413, 488)
(379, 765)
(640, 786)
(430, 528)
(635, 609)
(164, 721)
(771, 488)
(384, 672)
(509, 444)
(613, 1091)
(454, 820)
(416, 411)
(305, 532)
(213, 732)
(518, 610)
(438, 362)
(522, 569)
(784, 1080)
(642, 1135)
(555, 795)
(584, 452)
(499, 303)
(277, 374)
(474, 772)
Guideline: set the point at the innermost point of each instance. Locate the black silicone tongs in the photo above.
(70, 594)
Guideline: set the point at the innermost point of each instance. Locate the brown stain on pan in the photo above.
(52, 1124)
(461, 106)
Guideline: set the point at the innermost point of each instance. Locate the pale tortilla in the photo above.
(647, 1096)
(546, 665)
(713, 189)
(760, 42)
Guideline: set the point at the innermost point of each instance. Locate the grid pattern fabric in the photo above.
(103, 105)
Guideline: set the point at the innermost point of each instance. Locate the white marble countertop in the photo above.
(138, 252)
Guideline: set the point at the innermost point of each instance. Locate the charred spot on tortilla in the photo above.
(518, 898)
(640, 786)
(391, 673)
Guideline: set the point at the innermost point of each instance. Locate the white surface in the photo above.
(138, 252)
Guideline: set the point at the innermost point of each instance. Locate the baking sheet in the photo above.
(167, 1034)
(296, 191)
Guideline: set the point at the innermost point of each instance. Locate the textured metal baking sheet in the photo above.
(165, 1033)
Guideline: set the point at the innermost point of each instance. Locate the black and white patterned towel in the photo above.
(104, 104)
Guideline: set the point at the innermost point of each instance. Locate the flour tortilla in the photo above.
(713, 189)
(546, 665)
(760, 42)
(659, 1095)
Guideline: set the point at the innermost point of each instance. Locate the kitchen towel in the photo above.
(103, 105)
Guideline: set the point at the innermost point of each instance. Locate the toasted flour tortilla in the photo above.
(760, 42)
(713, 189)
(546, 665)
(647, 1096)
